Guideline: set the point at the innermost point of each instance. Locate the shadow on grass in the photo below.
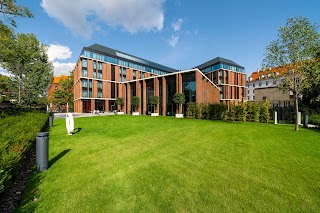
(76, 130)
(31, 194)
(56, 158)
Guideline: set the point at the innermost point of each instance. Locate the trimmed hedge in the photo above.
(250, 111)
(18, 131)
(314, 119)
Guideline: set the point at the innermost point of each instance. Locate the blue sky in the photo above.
(179, 34)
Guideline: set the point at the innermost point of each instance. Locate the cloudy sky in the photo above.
(179, 34)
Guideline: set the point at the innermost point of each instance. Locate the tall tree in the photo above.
(32, 72)
(64, 94)
(297, 43)
(10, 10)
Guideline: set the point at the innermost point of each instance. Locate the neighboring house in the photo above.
(53, 87)
(262, 85)
(103, 74)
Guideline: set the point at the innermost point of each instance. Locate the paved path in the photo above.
(77, 115)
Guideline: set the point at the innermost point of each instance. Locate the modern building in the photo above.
(229, 76)
(103, 74)
(262, 85)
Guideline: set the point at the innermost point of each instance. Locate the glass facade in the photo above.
(148, 67)
(189, 86)
(223, 66)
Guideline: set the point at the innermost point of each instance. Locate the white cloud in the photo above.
(56, 51)
(173, 40)
(177, 25)
(83, 16)
(63, 68)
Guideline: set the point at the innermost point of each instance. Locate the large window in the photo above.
(85, 93)
(100, 74)
(99, 84)
(84, 83)
(84, 63)
(189, 86)
(94, 65)
(99, 94)
(84, 73)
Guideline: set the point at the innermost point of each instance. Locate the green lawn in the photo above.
(163, 164)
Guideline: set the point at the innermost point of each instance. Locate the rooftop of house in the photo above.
(56, 79)
(266, 74)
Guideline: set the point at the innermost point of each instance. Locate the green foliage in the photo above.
(18, 132)
(191, 110)
(32, 72)
(135, 101)
(265, 112)
(10, 10)
(241, 112)
(154, 100)
(298, 42)
(314, 119)
(179, 98)
(120, 102)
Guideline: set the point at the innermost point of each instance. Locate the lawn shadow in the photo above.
(54, 125)
(31, 194)
(56, 158)
(76, 130)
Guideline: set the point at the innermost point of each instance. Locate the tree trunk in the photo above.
(297, 110)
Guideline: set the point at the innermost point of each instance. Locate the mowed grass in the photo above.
(163, 164)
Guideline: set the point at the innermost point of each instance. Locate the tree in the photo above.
(154, 100)
(120, 102)
(32, 73)
(135, 101)
(311, 94)
(297, 43)
(10, 10)
(64, 95)
(179, 99)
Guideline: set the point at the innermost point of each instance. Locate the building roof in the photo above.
(218, 60)
(56, 79)
(119, 54)
(260, 74)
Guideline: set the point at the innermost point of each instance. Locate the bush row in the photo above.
(250, 111)
(18, 132)
(314, 119)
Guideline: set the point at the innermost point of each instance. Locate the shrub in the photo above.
(154, 100)
(265, 112)
(120, 102)
(18, 133)
(191, 110)
(135, 101)
(314, 119)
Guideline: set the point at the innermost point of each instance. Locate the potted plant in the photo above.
(179, 99)
(154, 101)
(135, 101)
(120, 102)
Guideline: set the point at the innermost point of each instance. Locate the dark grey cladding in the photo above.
(217, 61)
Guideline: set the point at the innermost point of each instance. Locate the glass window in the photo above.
(84, 73)
(260, 83)
(94, 65)
(94, 74)
(84, 63)
(84, 83)
(99, 94)
(100, 84)
(90, 83)
(85, 93)
(100, 75)
(100, 65)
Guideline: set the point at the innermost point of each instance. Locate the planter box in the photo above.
(120, 113)
(135, 113)
(179, 115)
(154, 114)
